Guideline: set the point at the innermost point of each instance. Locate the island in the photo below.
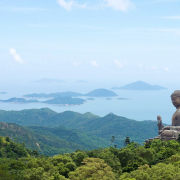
(122, 98)
(46, 80)
(94, 93)
(19, 100)
(65, 101)
(53, 95)
(101, 93)
(108, 99)
(58, 101)
(3, 92)
(90, 99)
(140, 85)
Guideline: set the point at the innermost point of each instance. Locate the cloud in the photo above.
(172, 17)
(166, 69)
(118, 63)
(122, 5)
(69, 5)
(15, 56)
(94, 63)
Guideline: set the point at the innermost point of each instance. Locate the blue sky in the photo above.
(121, 40)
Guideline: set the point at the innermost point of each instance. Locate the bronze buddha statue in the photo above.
(173, 131)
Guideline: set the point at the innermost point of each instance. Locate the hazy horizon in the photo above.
(105, 40)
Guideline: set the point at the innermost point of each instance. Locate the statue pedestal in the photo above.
(167, 133)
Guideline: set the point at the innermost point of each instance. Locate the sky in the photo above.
(100, 40)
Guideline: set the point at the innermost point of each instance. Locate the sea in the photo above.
(140, 105)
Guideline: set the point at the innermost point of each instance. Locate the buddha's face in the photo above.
(176, 101)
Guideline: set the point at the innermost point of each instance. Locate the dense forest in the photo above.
(159, 160)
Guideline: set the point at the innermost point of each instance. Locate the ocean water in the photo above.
(142, 105)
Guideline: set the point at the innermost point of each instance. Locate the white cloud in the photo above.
(94, 63)
(69, 5)
(171, 17)
(166, 69)
(122, 5)
(15, 56)
(66, 5)
(118, 63)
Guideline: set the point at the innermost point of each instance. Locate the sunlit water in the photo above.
(142, 105)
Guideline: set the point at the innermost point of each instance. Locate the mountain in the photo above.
(140, 85)
(101, 93)
(102, 127)
(46, 80)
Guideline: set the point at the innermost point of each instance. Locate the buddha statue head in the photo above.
(175, 98)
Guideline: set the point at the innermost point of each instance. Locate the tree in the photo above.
(127, 141)
(93, 169)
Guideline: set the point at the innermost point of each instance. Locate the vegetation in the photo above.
(159, 160)
(81, 131)
(51, 141)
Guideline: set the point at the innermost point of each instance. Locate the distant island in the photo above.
(3, 92)
(53, 95)
(19, 100)
(122, 98)
(65, 101)
(90, 99)
(101, 93)
(108, 99)
(94, 93)
(140, 85)
(58, 101)
(46, 80)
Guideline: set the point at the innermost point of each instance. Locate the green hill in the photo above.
(51, 141)
(102, 127)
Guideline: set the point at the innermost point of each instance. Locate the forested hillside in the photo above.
(157, 160)
(51, 141)
(101, 129)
